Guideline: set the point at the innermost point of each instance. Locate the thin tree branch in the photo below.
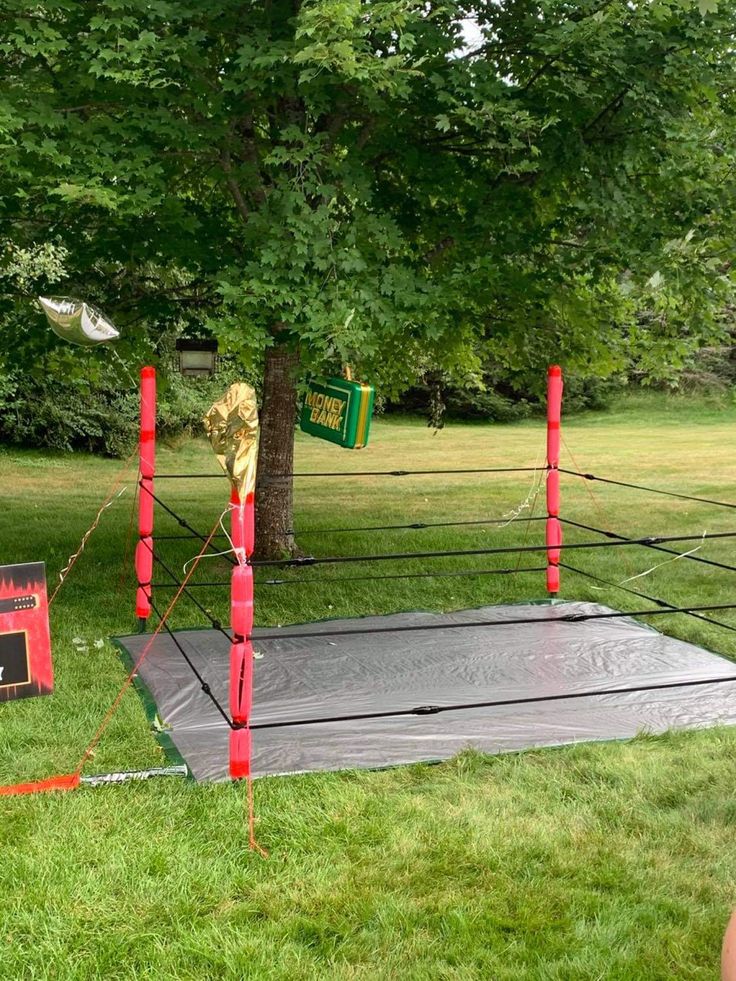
(233, 186)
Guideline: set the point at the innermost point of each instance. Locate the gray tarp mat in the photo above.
(322, 676)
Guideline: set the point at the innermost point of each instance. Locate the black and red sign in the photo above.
(25, 645)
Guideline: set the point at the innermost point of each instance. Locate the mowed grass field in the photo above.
(612, 860)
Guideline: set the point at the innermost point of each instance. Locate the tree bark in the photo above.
(274, 490)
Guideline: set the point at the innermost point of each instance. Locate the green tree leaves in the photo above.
(348, 169)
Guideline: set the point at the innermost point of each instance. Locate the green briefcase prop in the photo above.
(339, 411)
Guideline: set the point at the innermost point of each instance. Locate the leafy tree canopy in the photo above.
(352, 177)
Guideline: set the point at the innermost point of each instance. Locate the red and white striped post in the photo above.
(242, 532)
(553, 532)
(147, 469)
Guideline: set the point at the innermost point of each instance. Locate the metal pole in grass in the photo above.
(553, 528)
(147, 457)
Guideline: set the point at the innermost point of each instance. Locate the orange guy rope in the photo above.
(116, 491)
(72, 780)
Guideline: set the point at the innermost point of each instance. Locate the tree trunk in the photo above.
(274, 492)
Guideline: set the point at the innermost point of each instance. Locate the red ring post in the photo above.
(553, 536)
(147, 469)
(242, 532)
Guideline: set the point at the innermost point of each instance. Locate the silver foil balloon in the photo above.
(77, 321)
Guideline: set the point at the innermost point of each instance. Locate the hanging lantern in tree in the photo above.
(197, 358)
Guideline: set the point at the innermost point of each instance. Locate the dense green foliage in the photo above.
(52, 405)
(504, 397)
(353, 171)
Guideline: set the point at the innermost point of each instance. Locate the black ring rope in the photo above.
(190, 476)
(348, 473)
(309, 560)
(185, 524)
(182, 538)
(496, 703)
(203, 684)
(499, 550)
(654, 542)
(332, 579)
(214, 622)
(652, 599)
(651, 490)
(513, 622)
(177, 583)
(437, 709)
(657, 548)
(415, 525)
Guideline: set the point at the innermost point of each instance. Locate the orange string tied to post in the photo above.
(73, 780)
(144, 654)
(252, 841)
(114, 493)
(232, 426)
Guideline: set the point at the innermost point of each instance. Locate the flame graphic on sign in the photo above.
(35, 623)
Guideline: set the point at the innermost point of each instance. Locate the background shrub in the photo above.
(99, 413)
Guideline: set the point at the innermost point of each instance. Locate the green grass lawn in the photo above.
(597, 861)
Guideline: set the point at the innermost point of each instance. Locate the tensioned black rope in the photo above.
(513, 622)
(203, 684)
(398, 575)
(180, 538)
(348, 473)
(191, 476)
(498, 550)
(496, 703)
(653, 542)
(651, 490)
(657, 548)
(652, 599)
(650, 542)
(185, 524)
(214, 622)
(415, 525)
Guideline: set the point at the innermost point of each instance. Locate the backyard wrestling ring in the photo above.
(407, 687)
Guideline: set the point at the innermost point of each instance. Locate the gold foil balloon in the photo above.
(232, 426)
(77, 321)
